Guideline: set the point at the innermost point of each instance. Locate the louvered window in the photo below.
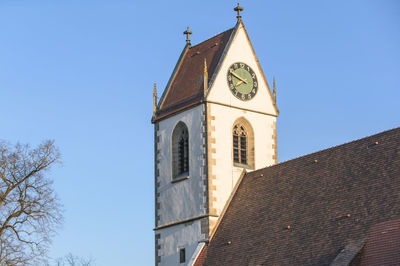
(180, 151)
(182, 255)
(183, 162)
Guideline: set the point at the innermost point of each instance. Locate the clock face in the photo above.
(242, 81)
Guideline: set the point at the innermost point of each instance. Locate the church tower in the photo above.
(215, 119)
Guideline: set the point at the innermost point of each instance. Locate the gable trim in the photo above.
(349, 252)
(222, 58)
(196, 253)
(171, 79)
(260, 68)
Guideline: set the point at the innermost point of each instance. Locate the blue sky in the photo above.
(82, 73)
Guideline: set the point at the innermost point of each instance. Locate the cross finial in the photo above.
(187, 32)
(238, 9)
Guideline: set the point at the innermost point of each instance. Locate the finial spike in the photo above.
(274, 91)
(187, 32)
(205, 78)
(238, 9)
(154, 99)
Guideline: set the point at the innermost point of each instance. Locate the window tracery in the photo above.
(243, 144)
(239, 144)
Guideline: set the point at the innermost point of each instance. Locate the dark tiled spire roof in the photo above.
(186, 85)
(306, 210)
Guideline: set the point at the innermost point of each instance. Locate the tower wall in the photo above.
(188, 209)
(181, 205)
(172, 239)
(223, 175)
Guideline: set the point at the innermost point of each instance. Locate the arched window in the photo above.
(239, 144)
(243, 144)
(180, 151)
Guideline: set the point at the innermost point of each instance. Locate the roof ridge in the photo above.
(327, 149)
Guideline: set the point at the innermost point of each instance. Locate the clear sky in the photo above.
(82, 73)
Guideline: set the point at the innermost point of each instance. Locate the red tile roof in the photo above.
(186, 85)
(305, 211)
(383, 245)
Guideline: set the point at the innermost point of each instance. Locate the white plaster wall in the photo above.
(241, 51)
(176, 237)
(227, 174)
(183, 199)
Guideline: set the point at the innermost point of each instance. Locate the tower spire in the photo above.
(187, 32)
(205, 77)
(274, 91)
(154, 99)
(238, 9)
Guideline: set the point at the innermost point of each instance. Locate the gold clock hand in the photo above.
(240, 82)
(239, 77)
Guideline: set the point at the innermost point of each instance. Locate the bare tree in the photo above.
(72, 260)
(29, 208)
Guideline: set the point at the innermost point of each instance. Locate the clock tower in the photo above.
(215, 119)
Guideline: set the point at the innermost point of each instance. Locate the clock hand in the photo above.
(239, 77)
(240, 82)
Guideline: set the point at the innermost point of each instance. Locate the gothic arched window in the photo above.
(239, 144)
(180, 151)
(243, 144)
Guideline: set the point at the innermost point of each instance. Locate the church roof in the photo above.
(307, 210)
(185, 88)
(382, 246)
